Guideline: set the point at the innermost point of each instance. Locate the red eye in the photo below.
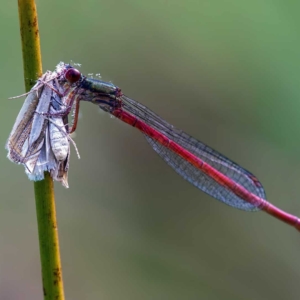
(72, 75)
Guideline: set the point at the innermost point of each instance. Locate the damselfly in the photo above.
(199, 164)
(196, 162)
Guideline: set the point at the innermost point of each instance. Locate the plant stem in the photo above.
(44, 191)
(32, 62)
(48, 238)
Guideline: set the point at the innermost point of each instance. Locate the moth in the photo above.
(40, 138)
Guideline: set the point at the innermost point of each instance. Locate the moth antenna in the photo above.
(38, 87)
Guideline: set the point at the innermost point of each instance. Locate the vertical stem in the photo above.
(30, 38)
(44, 191)
(48, 238)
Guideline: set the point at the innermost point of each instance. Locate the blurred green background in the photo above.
(227, 72)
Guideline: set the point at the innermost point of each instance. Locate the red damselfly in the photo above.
(196, 162)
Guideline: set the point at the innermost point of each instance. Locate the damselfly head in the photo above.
(72, 75)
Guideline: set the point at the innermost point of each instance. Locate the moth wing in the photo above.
(18, 144)
(38, 123)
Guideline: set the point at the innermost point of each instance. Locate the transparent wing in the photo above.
(205, 153)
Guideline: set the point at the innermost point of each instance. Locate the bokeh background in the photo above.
(227, 72)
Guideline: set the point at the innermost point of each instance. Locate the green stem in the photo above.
(48, 238)
(44, 191)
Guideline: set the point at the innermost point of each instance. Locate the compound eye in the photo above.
(72, 75)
